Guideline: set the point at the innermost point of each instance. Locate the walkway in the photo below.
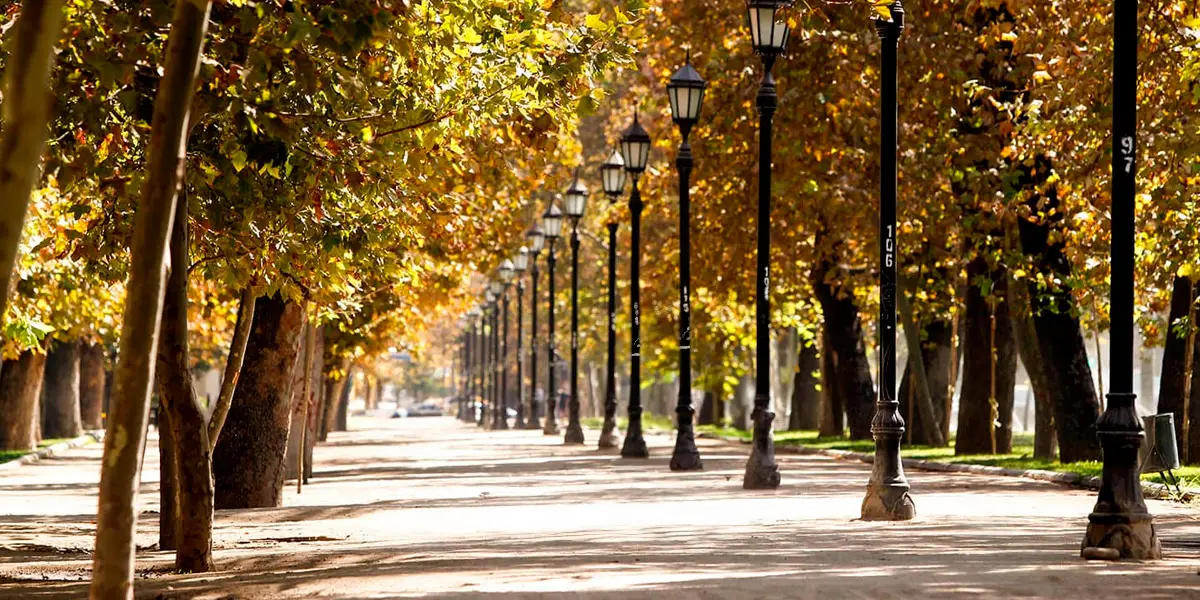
(433, 508)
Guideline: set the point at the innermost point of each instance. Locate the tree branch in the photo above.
(233, 364)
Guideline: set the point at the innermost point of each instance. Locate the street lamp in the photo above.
(686, 93)
(506, 276)
(576, 200)
(769, 37)
(551, 229)
(492, 350)
(1120, 521)
(520, 265)
(612, 176)
(887, 496)
(536, 241)
(635, 149)
(480, 366)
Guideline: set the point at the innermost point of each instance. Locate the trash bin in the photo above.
(1159, 451)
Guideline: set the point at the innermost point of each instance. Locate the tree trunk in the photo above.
(938, 358)
(112, 567)
(60, 392)
(784, 356)
(91, 385)
(708, 409)
(1193, 409)
(20, 393)
(833, 409)
(1025, 333)
(980, 341)
(1060, 340)
(854, 390)
(168, 483)
(187, 418)
(248, 461)
(806, 395)
(1174, 363)
(301, 406)
(27, 104)
(343, 406)
(310, 437)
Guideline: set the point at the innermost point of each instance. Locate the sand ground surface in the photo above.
(431, 507)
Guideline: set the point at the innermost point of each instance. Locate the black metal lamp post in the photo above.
(536, 241)
(887, 491)
(576, 200)
(612, 176)
(551, 229)
(686, 93)
(635, 149)
(468, 402)
(490, 338)
(1120, 526)
(769, 37)
(506, 276)
(520, 264)
(477, 382)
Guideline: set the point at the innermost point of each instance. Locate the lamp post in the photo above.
(536, 241)
(480, 366)
(769, 37)
(551, 229)
(506, 276)
(635, 150)
(612, 177)
(887, 491)
(468, 367)
(1120, 521)
(488, 402)
(685, 90)
(576, 200)
(520, 264)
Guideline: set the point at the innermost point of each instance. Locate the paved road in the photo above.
(434, 508)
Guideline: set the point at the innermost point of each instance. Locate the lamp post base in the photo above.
(609, 436)
(762, 472)
(1130, 535)
(551, 426)
(686, 457)
(888, 502)
(574, 435)
(532, 424)
(635, 444)
(1119, 526)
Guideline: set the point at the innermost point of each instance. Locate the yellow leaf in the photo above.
(469, 36)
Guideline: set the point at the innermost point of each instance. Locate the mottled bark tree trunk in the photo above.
(188, 421)
(980, 340)
(302, 409)
(1045, 442)
(91, 385)
(60, 392)
(1060, 338)
(343, 405)
(938, 358)
(27, 104)
(708, 409)
(833, 409)
(116, 522)
(844, 334)
(168, 483)
(1173, 381)
(20, 393)
(806, 397)
(248, 461)
(310, 438)
(1193, 408)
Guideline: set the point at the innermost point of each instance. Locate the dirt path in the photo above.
(431, 507)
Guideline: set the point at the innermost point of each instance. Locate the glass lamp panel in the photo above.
(575, 205)
(507, 271)
(552, 222)
(496, 288)
(521, 261)
(780, 33)
(537, 240)
(673, 96)
(696, 102)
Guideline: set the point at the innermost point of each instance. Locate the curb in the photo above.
(1149, 489)
(48, 451)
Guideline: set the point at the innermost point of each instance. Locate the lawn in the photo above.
(1020, 458)
(7, 455)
